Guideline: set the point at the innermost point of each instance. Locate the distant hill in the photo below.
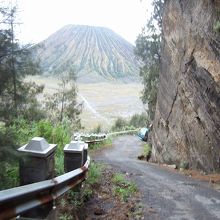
(97, 54)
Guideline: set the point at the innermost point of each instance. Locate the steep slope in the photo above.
(187, 121)
(96, 53)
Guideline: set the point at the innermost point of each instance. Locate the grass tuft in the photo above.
(122, 187)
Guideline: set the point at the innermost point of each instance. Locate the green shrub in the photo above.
(8, 157)
(136, 121)
(12, 175)
(139, 120)
(23, 129)
(97, 129)
(146, 153)
(44, 129)
(94, 173)
(59, 164)
(21, 132)
(184, 165)
(94, 177)
(119, 124)
(147, 150)
(65, 216)
(59, 134)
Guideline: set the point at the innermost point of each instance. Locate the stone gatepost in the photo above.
(74, 159)
(37, 164)
(73, 155)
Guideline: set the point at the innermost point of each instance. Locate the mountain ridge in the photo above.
(97, 54)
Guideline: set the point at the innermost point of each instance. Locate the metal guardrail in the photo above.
(111, 134)
(95, 141)
(123, 132)
(17, 200)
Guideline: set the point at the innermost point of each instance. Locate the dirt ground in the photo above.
(212, 179)
(104, 205)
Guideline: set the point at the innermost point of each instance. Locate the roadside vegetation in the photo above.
(74, 199)
(18, 134)
(106, 194)
(148, 49)
(93, 147)
(22, 116)
(136, 121)
(94, 177)
(146, 153)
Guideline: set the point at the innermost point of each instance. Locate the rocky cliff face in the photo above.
(187, 120)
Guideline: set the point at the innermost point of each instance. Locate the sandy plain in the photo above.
(102, 102)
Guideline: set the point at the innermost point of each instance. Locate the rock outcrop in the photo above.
(187, 120)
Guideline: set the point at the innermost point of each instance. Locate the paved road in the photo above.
(166, 195)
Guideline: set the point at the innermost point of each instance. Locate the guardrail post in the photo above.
(73, 155)
(74, 158)
(37, 164)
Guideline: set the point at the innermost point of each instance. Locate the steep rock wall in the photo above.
(187, 119)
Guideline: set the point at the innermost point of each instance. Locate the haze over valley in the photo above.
(102, 102)
(103, 62)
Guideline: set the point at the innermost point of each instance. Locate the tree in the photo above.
(15, 64)
(63, 103)
(148, 48)
(17, 98)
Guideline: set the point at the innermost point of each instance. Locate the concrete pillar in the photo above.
(73, 155)
(74, 159)
(37, 164)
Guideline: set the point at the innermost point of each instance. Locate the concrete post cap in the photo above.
(39, 147)
(82, 143)
(74, 147)
(86, 146)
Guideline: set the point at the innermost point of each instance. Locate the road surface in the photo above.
(165, 194)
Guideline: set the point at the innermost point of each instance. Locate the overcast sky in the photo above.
(41, 18)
